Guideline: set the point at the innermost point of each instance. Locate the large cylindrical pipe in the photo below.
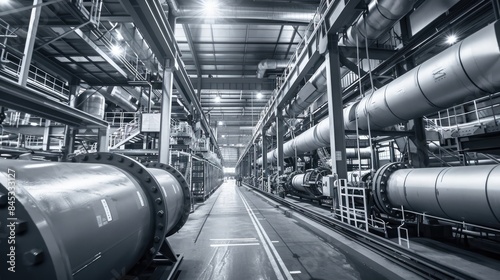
(88, 220)
(468, 193)
(381, 15)
(456, 75)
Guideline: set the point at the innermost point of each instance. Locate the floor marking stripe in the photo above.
(268, 240)
(275, 241)
(295, 272)
(239, 239)
(233, 244)
(274, 265)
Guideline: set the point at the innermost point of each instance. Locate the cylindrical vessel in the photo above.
(298, 182)
(467, 193)
(91, 102)
(88, 220)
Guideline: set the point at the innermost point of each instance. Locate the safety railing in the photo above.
(37, 77)
(478, 112)
(128, 124)
(349, 210)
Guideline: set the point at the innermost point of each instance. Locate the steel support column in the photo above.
(496, 8)
(166, 110)
(264, 158)
(280, 132)
(103, 140)
(254, 162)
(46, 136)
(335, 110)
(30, 42)
(421, 157)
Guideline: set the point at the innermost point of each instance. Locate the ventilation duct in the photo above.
(271, 64)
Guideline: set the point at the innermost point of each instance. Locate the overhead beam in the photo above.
(381, 54)
(235, 83)
(241, 21)
(103, 54)
(189, 38)
(27, 100)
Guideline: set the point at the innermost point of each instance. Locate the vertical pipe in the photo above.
(30, 42)
(264, 158)
(166, 109)
(280, 131)
(335, 110)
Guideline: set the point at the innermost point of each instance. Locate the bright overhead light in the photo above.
(116, 50)
(2, 2)
(451, 39)
(259, 95)
(220, 122)
(210, 8)
(33, 123)
(217, 98)
(223, 136)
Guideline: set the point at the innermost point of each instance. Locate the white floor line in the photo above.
(268, 241)
(235, 239)
(295, 272)
(274, 265)
(233, 244)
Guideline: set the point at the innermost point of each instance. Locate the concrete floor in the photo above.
(235, 234)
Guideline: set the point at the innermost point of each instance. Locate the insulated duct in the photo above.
(454, 76)
(468, 193)
(272, 64)
(381, 15)
(275, 11)
(106, 214)
(351, 153)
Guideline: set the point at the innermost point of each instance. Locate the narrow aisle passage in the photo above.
(235, 234)
(219, 241)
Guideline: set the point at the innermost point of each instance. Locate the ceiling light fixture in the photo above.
(220, 122)
(210, 8)
(259, 95)
(2, 2)
(217, 98)
(116, 50)
(451, 39)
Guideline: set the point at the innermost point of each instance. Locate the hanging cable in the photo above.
(362, 93)
(372, 157)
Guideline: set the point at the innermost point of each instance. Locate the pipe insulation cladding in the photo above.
(460, 73)
(97, 218)
(465, 71)
(468, 193)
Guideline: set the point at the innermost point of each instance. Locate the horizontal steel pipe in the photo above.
(88, 220)
(381, 15)
(456, 75)
(468, 193)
